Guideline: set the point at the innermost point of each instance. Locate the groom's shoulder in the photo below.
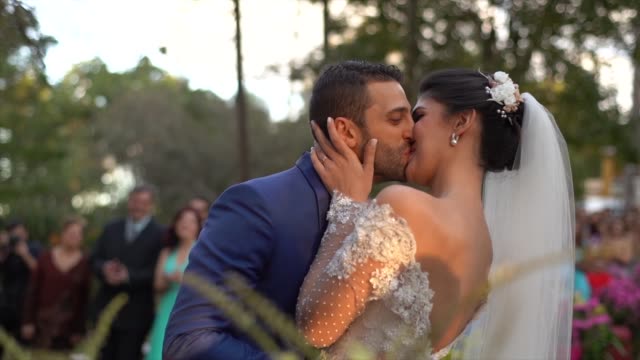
(269, 184)
(279, 180)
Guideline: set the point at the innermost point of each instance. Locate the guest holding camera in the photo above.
(17, 260)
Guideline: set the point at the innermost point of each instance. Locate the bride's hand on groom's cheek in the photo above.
(339, 167)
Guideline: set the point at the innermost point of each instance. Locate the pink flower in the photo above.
(588, 305)
(580, 324)
(576, 351)
(600, 320)
(584, 324)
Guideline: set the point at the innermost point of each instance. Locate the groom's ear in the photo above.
(349, 132)
(464, 121)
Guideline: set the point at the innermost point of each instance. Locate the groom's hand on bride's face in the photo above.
(338, 165)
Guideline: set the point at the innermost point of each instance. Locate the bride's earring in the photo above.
(454, 139)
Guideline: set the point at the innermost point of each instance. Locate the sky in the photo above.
(199, 37)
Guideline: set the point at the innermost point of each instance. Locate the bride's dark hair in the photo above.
(464, 89)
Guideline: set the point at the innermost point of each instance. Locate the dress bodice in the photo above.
(366, 275)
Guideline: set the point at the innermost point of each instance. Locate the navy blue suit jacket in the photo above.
(268, 230)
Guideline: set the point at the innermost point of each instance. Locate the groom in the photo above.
(268, 229)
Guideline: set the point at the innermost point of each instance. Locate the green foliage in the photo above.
(245, 321)
(91, 346)
(541, 44)
(58, 141)
(32, 155)
(181, 140)
(12, 348)
(142, 120)
(269, 315)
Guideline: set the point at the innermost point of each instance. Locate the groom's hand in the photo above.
(339, 166)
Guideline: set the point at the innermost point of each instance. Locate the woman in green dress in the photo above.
(173, 260)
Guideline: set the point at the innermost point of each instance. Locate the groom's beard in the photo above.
(390, 162)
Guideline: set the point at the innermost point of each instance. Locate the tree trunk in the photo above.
(325, 34)
(488, 48)
(241, 106)
(634, 115)
(539, 33)
(412, 50)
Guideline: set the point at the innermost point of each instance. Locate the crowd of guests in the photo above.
(607, 246)
(46, 296)
(607, 285)
(45, 293)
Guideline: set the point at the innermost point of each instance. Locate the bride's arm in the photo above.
(362, 251)
(358, 257)
(321, 294)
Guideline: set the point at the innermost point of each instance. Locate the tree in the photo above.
(620, 27)
(177, 139)
(541, 44)
(412, 48)
(35, 167)
(325, 28)
(241, 107)
(62, 146)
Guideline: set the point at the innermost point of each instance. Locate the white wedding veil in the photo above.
(530, 214)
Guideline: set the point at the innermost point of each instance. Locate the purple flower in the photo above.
(622, 298)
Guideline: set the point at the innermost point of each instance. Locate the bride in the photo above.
(409, 268)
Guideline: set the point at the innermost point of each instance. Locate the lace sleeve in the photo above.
(361, 254)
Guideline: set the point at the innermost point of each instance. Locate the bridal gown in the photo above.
(366, 285)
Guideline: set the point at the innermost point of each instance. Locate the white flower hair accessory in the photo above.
(505, 92)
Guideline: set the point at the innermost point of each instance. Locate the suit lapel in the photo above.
(322, 195)
(143, 233)
(122, 233)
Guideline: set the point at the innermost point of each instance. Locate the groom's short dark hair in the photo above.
(341, 90)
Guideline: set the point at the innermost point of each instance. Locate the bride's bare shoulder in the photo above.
(428, 218)
(406, 201)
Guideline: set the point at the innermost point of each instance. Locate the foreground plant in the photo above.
(88, 349)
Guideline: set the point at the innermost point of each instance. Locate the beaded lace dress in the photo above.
(365, 286)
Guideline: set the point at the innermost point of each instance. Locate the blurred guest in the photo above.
(18, 257)
(4, 304)
(619, 243)
(581, 282)
(593, 234)
(582, 287)
(56, 301)
(201, 205)
(616, 229)
(582, 227)
(173, 260)
(124, 260)
(632, 220)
